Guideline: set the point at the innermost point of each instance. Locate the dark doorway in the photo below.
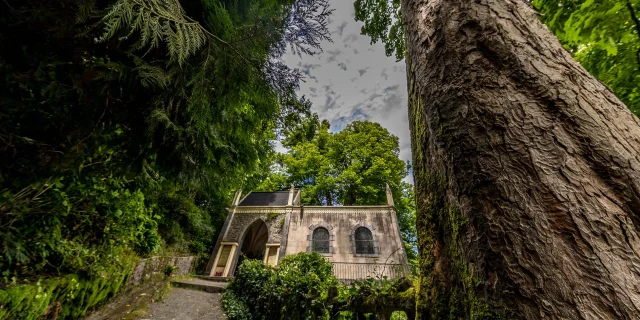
(254, 242)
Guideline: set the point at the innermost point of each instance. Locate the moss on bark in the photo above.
(447, 287)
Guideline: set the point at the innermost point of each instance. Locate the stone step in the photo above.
(216, 279)
(200, 284)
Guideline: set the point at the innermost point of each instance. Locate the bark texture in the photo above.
(527, 170)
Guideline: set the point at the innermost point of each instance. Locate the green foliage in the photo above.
(79, 220)
(272, 215)
(382, 22)
(68, 297)
(184, 226)
(380, 291)
(365, 156)
(406, 212)
(302, 286)
(169, 270)
(604, 36)
(350, 167)
(125, 125)
(158, 22)
(297, 288)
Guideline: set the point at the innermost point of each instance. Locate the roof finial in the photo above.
(389, 196)
(236, 197)
(291, 194)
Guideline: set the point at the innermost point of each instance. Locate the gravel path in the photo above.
(184, 304)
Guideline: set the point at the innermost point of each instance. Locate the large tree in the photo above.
(527, 168)
(349, 167)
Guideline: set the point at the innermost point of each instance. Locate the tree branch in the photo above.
(634, 17)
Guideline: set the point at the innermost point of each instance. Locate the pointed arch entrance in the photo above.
(254, 242)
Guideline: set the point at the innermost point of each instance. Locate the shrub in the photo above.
(169, 270)
(296, 289)
(303, 286)
(84, 222)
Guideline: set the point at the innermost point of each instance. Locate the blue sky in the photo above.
(354, 80)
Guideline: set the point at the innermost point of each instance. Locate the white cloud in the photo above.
(357, 83)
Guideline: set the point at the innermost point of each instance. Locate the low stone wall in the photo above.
(156, 266)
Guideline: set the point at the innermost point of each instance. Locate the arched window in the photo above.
(364, 241)
(321, 239)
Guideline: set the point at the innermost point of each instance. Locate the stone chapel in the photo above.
(360, 241)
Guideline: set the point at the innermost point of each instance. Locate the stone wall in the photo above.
(155, 267)
(244, 217)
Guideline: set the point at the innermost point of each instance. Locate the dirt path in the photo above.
(184, 304)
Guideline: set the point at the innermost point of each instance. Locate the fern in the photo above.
(150, 75)
(156, 21)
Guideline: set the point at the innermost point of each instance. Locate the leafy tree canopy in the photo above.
(604, 36)
(126, 124)
(350, 167)
(382, 22)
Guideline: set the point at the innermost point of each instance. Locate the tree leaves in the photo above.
(382, 22)
(604, 36)
(151, 128)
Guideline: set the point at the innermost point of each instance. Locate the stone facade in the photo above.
(342, 221)
(291, 228)
(274, 219)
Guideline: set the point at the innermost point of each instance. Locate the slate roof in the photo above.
(278, 198)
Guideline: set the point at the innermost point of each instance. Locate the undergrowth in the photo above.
(303, 286)
(68, 297)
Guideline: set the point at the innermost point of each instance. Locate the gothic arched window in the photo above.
(321, 239)
(364, 241)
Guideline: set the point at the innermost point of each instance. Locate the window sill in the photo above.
(367, 255)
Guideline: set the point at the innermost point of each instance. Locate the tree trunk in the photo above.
(527, 170)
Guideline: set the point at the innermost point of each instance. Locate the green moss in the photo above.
(272, 216)
(440, 225)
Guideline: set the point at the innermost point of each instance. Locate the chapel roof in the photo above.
(278, 198)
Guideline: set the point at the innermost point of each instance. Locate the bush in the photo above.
(296, 289)
(84, 221)
(303, 286)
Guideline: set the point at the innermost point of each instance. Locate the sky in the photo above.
(354, 80)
